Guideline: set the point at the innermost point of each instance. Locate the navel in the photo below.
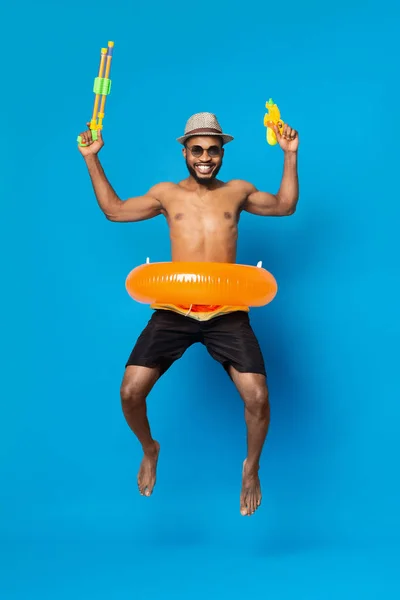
(227, 215)
(178, 216)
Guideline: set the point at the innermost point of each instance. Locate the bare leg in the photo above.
(253, 390)
(136, 385)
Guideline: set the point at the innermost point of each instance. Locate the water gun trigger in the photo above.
(271, 124)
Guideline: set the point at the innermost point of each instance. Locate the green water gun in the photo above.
(101, 89)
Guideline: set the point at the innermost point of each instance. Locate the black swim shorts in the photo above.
(228, 338)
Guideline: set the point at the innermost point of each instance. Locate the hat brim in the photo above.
(225, 137)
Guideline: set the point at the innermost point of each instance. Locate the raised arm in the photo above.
(284, 202)
(135, 209)
(115, 209)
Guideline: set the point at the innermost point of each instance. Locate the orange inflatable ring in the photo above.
(205, 283)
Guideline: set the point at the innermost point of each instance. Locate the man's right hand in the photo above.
(93, 147)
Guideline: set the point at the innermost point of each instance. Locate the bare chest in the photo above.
(207, 215)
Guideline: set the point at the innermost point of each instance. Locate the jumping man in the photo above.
(202, 213)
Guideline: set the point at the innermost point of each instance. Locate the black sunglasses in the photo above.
(212, 151)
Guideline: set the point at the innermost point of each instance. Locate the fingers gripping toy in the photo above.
(101, 88)
(273, 117)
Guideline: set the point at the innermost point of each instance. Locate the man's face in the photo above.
(203, 155)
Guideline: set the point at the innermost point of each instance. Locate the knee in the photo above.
(132, 395)
(257, 401)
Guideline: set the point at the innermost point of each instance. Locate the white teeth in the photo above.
(204, 168)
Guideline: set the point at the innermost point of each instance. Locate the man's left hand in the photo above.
(289, 139)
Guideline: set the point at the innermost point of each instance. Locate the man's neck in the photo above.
(202, 188)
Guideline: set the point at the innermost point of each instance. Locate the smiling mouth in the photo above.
(204, 169)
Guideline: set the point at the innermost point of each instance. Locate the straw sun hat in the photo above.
(204, 123)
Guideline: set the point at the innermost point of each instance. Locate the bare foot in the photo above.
(250, 497)
(147, 472)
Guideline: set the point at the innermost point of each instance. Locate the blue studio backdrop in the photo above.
(72, 524)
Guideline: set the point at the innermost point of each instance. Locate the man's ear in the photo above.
(184, 151)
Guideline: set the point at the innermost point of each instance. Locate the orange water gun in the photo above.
(273, 117)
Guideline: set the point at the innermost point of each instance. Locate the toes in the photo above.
(249, 504)
(145, 489)
(141, 486)
(150, 489)
(246, 505)
(243, 507)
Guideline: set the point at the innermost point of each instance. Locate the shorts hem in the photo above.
(151, 364)
(241, 369)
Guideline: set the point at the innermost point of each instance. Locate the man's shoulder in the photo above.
(241, 184)
(162, 188)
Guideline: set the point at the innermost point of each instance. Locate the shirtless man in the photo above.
(203, 214)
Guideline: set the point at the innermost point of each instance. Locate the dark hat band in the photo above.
(204, 130)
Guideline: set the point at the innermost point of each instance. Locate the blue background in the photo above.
(72, 524)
